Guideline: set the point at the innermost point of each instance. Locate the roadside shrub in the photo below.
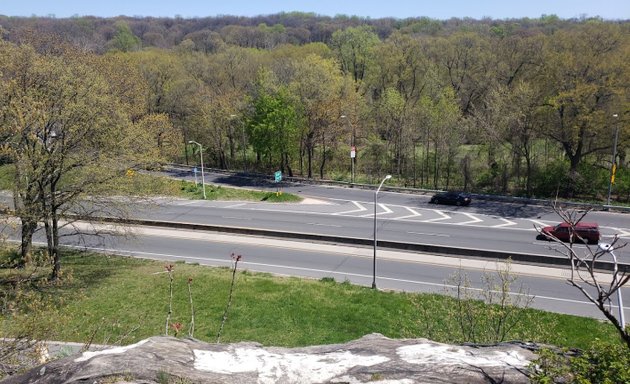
(601, 363)
(548, 180)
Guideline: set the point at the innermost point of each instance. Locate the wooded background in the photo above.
(528, 107)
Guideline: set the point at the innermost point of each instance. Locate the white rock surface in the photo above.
(372, 359)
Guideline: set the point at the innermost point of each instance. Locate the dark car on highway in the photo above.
(453, 198)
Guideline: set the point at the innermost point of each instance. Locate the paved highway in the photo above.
(418, 199)
(349, 212)
(353, 218)
(411, 272)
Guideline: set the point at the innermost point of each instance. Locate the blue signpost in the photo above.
(195, 171)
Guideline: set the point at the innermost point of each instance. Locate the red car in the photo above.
(587, 232)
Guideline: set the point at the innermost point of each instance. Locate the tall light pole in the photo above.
(613, 166)
(609, 248)
(375, 204)
(203, 180)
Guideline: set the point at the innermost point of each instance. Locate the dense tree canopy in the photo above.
(523, 106)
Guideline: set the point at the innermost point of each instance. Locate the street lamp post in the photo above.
(203, 180)
(609, 248)
(375, 204)
(614, 159)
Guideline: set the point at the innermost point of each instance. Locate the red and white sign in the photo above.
(353, 152)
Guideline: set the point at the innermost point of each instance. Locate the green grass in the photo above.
(6, 177)
(148, 185)
(217, 192)
(110, 299)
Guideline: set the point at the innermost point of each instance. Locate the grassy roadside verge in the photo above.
(140, 184)
(111, 300)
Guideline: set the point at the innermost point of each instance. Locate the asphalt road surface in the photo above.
(411, 272)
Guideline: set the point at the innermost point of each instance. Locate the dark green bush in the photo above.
(602, 363)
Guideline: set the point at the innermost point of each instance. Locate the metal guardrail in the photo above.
(393, 245)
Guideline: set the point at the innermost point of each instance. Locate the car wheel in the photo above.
(458, 203)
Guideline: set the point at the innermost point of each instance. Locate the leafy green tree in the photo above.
(69, 139)
(354, 47)
(272, 127)
(172, 90)
(124, 40)
(510, 119)
(317, 84)
(585, 80)
(389, 116)
(402, 71)
(18, 78)
(465, 63)
(443, 118)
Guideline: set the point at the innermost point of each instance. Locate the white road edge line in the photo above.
(235, 205)
(324, 225)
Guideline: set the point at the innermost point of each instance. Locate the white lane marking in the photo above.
(229, 262)
(506, 224)
(324, 225)
(474, 219)
(413, 214)
(180, 203)
(387, 210)
(361, 208)
(444, 216)
(539, 223)
(357, 204)
(621, 232)
(235, 205)
(236, 218)
(430, 234)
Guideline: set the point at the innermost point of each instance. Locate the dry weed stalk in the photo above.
(584, 274)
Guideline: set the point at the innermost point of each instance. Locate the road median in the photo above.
(524, 258)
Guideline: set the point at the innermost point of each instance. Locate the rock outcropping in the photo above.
(372, 359)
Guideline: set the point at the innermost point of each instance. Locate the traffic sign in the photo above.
(278, 176)
(353, 152)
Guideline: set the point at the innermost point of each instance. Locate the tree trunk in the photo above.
(309, 155)
(573, 176)
(435, 168)
(26, 246)
(54, 250)
(528, 177)
(322, 165)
